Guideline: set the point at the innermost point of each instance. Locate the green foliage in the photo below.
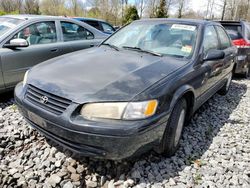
(2, 13)
(13, 107)
(94, 12)
(130, 15)
(197, 179)
(161, 10)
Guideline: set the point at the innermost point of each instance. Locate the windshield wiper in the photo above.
(141, 50)
(178, 56)
(111, 46)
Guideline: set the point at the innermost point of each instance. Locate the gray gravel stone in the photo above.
(214, 152)
(68, 185)
(54, 180)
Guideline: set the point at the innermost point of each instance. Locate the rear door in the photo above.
(213, 68)
(42, 37)
(77, 37)
(229, 50)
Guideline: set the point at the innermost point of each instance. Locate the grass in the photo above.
(13, 107)
(197, 179)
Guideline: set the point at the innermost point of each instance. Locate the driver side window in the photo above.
(210, 40)
(38, 33)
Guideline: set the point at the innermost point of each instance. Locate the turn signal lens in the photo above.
(151, 108)
(140, 110)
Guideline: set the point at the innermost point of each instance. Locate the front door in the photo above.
(42, 38)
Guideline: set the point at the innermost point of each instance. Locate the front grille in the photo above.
(52, 103)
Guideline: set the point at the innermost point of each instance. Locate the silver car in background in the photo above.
(26, 40)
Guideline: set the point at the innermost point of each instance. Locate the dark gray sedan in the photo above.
(133, 92)
(27, 40)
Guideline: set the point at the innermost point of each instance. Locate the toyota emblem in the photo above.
(44, 99)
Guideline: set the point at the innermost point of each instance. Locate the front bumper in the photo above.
(108, 140)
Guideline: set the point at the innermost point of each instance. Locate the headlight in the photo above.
(120, 110)
(25, 77)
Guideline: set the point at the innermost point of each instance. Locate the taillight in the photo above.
(241, 43)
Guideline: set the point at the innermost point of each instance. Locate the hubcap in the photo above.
(179, 127)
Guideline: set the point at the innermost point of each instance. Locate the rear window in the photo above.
(234, 31)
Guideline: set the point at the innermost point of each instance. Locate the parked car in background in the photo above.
(101, 25)
(134, 90)
(26, 40)
(239, 31)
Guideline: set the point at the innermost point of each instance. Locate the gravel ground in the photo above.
(214, 152)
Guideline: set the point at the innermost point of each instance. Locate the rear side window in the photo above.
(234, 31)
(107, 28)
(210, 40)
(225, 41)
(94, 24)
(73, 32)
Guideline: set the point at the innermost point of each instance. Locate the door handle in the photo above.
(92, 45)
(54, 50)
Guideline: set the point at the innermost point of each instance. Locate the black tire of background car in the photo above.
(168, 146)
(247, 74)
(225, 88)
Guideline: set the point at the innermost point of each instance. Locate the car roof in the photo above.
(180, 20)
(90, 19)
(29, 16)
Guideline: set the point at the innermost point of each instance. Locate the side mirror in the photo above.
(214, 55)
(15, 43)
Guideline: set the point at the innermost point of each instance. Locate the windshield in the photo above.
(171, 39)
(7, 24)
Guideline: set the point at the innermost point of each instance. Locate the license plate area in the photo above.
(36, 119)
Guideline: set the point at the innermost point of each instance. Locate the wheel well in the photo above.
(189, 97)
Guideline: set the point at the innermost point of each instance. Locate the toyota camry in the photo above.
(132, 93)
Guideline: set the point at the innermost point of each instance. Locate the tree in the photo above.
(161, 10)
(31, 6)
(141, 5)
(152, 8)
(181, 7)
(9, 6)
(53, 7)
(169, 3)
(130, 15)
(76, 7)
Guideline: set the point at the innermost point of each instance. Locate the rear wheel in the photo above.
(173, 131)
(225, 88)
(247, 73)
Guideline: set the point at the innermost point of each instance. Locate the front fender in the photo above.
(180, 92)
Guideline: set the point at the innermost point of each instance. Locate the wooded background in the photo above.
(119, 12)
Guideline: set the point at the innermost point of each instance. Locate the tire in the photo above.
(247, 74)
(224, 90)
(172, 134)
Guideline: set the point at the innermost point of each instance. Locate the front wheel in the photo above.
(225, 88)
(173, 131)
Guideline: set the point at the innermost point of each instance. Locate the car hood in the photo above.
(101, 74)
